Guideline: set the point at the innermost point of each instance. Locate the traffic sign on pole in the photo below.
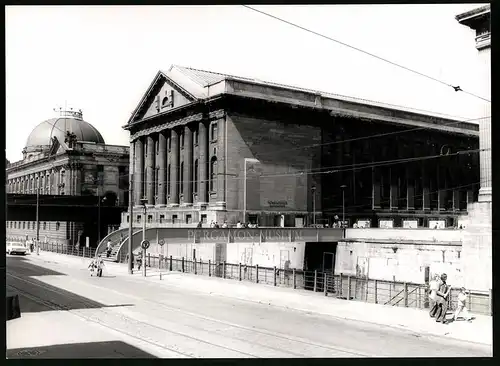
(145, 244)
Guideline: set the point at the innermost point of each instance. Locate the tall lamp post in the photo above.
(313, 190)
(245, 186)
(144, 201)
(99, 216)
(37, 220)
(343, 186)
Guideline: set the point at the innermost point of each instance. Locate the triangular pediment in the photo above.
(163, 95)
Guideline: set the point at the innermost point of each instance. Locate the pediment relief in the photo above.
(164, 96)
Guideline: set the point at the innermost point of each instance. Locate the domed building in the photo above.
(66, 155)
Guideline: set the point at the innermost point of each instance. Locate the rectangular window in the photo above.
(29, 225)
(128, 218)
(174, 219)
(44, 226)
(139, 217)
(24, 224)
(213, 131)
(162, 217)
(195, 137)
(203, 218)
(58, 225)
(189, 219)
(150, 219)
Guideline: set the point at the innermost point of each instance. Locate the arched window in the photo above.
(181, 180)
(58, 225)
(168, 180)
(195, 186)
(213, 174)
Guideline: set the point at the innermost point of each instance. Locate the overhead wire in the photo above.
(456, 88)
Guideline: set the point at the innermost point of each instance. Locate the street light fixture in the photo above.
(313, 190)
(245, 186)
(343, 186)
(144, 201)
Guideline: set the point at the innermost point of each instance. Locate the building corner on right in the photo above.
(477, 240)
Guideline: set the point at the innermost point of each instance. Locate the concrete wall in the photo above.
(399, 262)
(48, 231)
(247, 140)
(267, 254)
(420, 234)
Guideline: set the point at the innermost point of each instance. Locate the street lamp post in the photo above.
(245, 186)
(144, 201)
(37, 220)
(99, 216)
(343, 204)
(313, 190)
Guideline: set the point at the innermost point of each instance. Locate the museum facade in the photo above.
(211, 147)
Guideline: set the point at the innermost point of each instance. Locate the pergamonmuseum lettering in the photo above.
(244, 234)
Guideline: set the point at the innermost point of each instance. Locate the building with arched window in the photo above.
(67, 156)
(238, 149)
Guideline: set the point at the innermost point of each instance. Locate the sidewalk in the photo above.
(409, 319)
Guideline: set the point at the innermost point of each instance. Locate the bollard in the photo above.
(201, 266)
(160, 276)
(294, 274)
(315, 280)
(209, 268)
(348, 287)
(325, 285)
(182, 265)
(274, 276)
(224, 269)
(405, 293)
(376, 298)
(83, 252)
(256, 273)
(149, 260)
(170, 265)
(239, 271)
(194, 265)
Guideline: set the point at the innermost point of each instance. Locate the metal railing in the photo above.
(83, 252)
(401, 294)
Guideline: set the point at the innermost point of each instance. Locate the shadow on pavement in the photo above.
(112, 349)
(37, 296)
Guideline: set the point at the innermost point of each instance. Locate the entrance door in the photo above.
(328, 262)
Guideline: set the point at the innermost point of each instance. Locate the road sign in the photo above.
(145, 244)
(161, 242)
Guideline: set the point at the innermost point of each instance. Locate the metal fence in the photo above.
(392, 293)
(403, 294)
(68, 250)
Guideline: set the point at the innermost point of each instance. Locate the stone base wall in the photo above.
(477, 247)
(393, 261)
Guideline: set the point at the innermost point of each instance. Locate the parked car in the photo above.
(16, 248)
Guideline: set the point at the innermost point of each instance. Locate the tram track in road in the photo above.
(130, 321)
(286, 342)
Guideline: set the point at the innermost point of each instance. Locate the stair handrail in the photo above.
(137, 230)
(103, 242)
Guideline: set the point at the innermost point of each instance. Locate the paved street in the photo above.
(142, 318)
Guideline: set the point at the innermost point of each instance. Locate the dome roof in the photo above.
(41, 136)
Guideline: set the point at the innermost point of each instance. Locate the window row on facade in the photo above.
(31, 225)
(49, 181)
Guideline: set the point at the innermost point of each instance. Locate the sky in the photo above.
(101, 59)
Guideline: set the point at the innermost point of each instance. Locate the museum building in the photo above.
(212, 147)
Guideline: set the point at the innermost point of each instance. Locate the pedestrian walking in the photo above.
(433, 288)
(108, 248)
(442, 299)
(461, 307)
(139, 261)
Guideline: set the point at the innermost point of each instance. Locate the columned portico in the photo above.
(139, 171)
(162, 168)
(174, 169)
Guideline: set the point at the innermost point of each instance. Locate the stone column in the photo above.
(221, 163)
(67, 180)
(131, 172)
(139, 171)
(376, 188)
(162, 168)
(188, 166)
(410, 187)
(174, 168)
(394, 188)
(203, 163)
(441, 186)
(426, 197)
(150, 170)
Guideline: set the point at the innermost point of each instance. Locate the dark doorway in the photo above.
(319, 257)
